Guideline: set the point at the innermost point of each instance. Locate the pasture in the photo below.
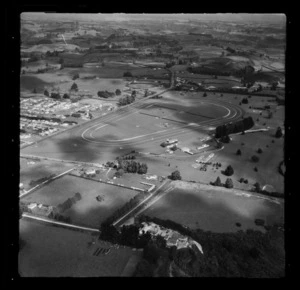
(88, 211)
(214, 209)
(50, 251)
(31, 170)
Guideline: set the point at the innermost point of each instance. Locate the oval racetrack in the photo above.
(232, 113)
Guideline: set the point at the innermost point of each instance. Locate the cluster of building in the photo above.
(40, 127)
(172, 238)
(45, 116)
(40, 209)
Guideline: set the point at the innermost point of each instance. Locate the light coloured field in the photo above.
(88, 211)
(214, 209)
(57, 252)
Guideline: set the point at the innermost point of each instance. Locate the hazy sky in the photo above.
(238, 17)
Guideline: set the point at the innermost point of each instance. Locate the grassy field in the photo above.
(40, 169)
(56, 252)
(88, 211)
(214, 209)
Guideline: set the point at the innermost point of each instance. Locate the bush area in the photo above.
(105, 94)
(242, 254)
(126, 100)
(129, 165)
(235, 127)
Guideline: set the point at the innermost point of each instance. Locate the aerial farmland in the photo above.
(173, 122)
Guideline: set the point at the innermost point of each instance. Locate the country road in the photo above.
(59, 223)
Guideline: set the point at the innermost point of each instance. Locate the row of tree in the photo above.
(105, 94)
(69, 203)
(133, 202)
(235, 127)
(228, 183)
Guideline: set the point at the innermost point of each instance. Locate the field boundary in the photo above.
(61, 224)
(111, 183)
(45, 182)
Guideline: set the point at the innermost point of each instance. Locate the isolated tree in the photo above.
(229, 171)
(239, 152)
(34, 91)
(259, 150)
(46, 93)
(119, 173)
(175, 175)
(228, 183)
(245, 101)
(118, 92)
(255, 169)
(218, 182)
(257, 187)
(225, 139)
(66, 96)
(74, 87)
(241, 180)
(205, 94)
(278, 133)
(127, 74)
(255, 158)
(76, 76)
(23, 72)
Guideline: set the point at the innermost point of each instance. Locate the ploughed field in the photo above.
(215, 209)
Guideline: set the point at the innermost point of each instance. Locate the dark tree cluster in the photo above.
(126, 100)
(228, 171)
(69, 203)
(242, 254)
(235, 127)
(175, 175)
(105, 94)
(132, 166)
(127, 74)
(75, 77)
(278, 133)
(74, 87)
(245, 101)
(55, 96)
(228, 183)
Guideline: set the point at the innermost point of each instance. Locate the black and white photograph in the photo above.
(152, 145)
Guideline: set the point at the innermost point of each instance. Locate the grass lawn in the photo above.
(57, 252)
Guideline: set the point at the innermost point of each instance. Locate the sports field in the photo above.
(88, 211)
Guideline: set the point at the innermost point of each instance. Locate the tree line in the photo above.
(133, 202)
(235, 127)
